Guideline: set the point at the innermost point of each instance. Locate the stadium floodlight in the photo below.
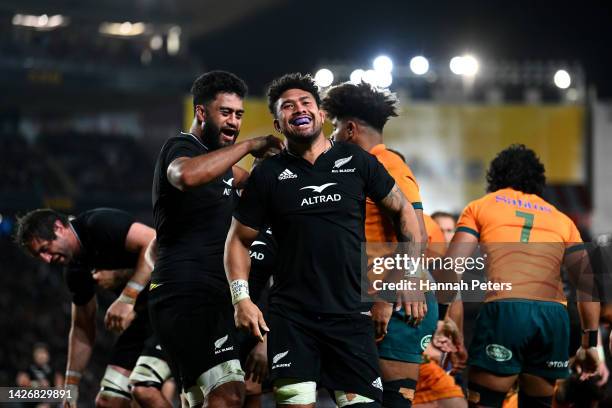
(384, 79)
(173, 42)
(156, 42)
(562, 79)
(42, 22)
(419, 65)
(466, 65)
(383, 63)
(370, 77)
(456, 65)
(357, 76)
(125, 29)
(470, 65)
(324, 78)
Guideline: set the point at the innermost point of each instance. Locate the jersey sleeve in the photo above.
(80, 283)
(180, 147)
(251, 210)
(378, 181)
(406, 182)
(573, 240)
(109, 228)
(468, 221)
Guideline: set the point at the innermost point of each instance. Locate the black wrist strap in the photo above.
(593, 336)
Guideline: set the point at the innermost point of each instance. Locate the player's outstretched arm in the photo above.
(81, 341)
(186, 173)
(237, 264)
(121, 313)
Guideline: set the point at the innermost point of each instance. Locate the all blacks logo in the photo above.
(498, 352)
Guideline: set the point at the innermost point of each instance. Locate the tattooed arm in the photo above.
(407, 230)
(403, 217)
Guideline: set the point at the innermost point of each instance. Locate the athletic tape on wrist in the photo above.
(126, 299)
(240, 290)
(135, 285)
(601, 353)
(72, 377)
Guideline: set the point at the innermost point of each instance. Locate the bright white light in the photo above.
(156, 42)
(383, 64)
(370, 77)
(42, 22)
(470, 65)
(419, 65)
(562, 79)
(377, 78)
(465, 65)
(384, 79)
(324, 78)
(456, 65)
(125, 29)
(173, 43)
(357, 76)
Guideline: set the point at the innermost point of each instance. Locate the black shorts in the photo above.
(195, 335)
(338, 352)
(131, 342)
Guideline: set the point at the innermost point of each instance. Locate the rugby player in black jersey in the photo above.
(105, 239)
(313, 197)
(193, 199)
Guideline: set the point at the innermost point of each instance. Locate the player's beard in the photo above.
(213, 138)
(303, 138)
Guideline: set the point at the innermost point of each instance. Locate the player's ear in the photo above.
(351, 129)
(323, 115)
(277, 126)
(200, 113)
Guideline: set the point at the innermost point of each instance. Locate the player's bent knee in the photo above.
(345, 399)
(535, 402)
(113, 385)
(295, 392)
(481, 396)
(150, 372)
(228, 371)
(399, 393)
(143, 394)
(224, 373)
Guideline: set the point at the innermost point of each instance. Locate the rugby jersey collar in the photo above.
(196, 138)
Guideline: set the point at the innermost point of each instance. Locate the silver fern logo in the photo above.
(279, 357)
(341, 162)
(220, 342)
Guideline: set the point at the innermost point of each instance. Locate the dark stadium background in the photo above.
(83, 115)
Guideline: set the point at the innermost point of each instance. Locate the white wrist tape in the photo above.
(135, 286)
(601, 353)
(240, 290)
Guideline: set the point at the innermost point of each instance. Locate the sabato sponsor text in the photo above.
(427, 285)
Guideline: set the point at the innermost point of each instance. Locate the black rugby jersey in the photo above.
(191, 225)
(263, 254)
(317, 213)
(101, 233)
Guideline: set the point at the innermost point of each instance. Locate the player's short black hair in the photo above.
(38, 224)
(206, 87)
(360, 101)
(295, 80)
(519, 168)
